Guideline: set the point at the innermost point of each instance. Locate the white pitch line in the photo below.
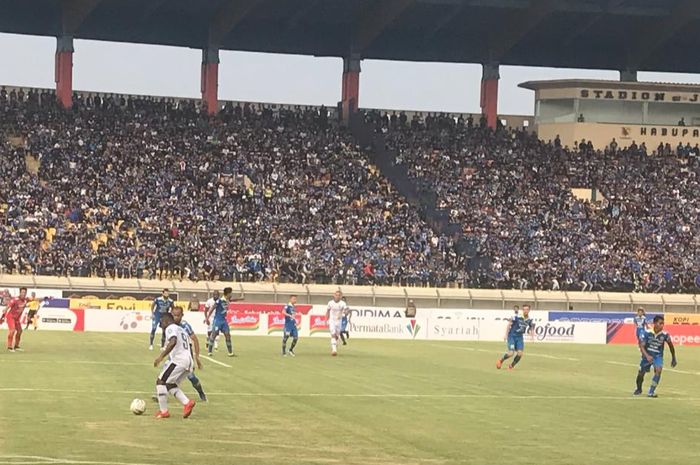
(359, 395)
(217, 362)
(636, 365)
(35, 459)
(527, 354)
(75, 362)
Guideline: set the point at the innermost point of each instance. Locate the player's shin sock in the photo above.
(516, 360)
(342, 337)
(162, 338)
(654, 382)
(640, 380)
(179, 395)
(334, 344)
(197, 385)
(18, 336)
(229, 346)
(162, 392)
(294, 344)
(505, 357)
(284, 344)
(10, 340)
(153, 335)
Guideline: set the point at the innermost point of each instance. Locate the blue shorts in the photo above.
(220, 326)
(516, 343)
(344, 325)
(640, 333)
(646, 365)
(291, 331)
(155, 321)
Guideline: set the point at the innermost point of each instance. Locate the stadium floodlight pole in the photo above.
(350, 95)
(489, 93)
(210, 79)
(64, 70)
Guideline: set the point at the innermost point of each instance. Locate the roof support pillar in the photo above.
(210, 79)
(63, 70)
(350, 100)
(628, 75)
(489, 93)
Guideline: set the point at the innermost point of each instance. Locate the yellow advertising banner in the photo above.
(682, 318)
(119, 304)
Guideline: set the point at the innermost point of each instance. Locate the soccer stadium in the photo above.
(207, 280)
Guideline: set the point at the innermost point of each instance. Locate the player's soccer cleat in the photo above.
(334, 353)
(291, 352)
(163, 414)
(150, 347)
(637, 392)
(19, 349)
(499, 363)
(187, 409)
(510, 367)
(10, 349)
(653, 395)
(210, 354)
(202, 396)
(345, 343)
(231, 354)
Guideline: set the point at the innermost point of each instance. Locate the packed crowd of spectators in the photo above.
(142, 187)
(153, 188)
(512, 194)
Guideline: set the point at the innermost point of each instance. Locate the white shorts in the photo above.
(334, 327)
(173, 373)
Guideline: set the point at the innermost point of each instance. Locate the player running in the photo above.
(652, 346)
(640, 321)
(178, 367)
(345, 324)
(515, 337)
(161, 305)
(334, 313)
(196, 384)
(219, 323)
(33, 307)
(13, 314)
(290, 326)
(208, 306)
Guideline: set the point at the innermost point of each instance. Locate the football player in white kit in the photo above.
(334, 314)
(207, 309)
(177, 368)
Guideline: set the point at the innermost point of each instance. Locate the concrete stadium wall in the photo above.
(375, 296)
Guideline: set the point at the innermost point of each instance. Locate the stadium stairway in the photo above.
(384, 159)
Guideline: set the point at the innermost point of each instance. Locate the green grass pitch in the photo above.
(66, 400)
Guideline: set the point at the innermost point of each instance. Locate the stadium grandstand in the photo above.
(343, 196)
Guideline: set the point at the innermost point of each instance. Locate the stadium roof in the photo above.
(659, 35)
(606, 84)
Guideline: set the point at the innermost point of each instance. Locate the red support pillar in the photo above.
(64, 71)
(210, 79)
(350, 101)
(489, 94)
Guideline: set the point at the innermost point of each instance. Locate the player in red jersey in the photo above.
(13, 313)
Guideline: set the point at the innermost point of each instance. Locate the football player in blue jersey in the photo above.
(515, 337)
(178, 313)
(161, 305)
(345, 324)
(652, 346)
(290, 326)
(220, 324)
(640, 322)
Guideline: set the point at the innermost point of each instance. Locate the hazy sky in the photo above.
(172, 71)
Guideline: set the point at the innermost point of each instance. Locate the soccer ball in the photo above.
(138, 406)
